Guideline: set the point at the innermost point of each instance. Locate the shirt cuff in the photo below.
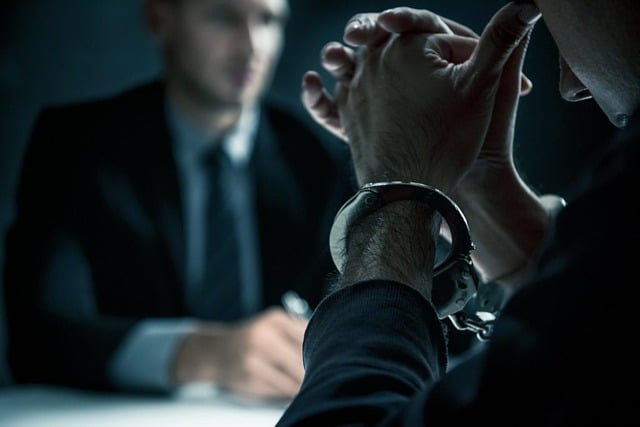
(143, 360)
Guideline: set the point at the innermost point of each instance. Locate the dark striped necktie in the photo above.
(220, 296)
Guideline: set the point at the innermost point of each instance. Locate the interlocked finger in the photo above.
(339, 61)
(320, 104)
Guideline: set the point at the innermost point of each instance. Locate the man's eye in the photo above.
(267, 18)
(221, 16)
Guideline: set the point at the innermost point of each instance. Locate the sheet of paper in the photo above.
(191, 407)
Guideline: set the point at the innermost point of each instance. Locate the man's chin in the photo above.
(228, 99)
(237, 99)
(222, 103)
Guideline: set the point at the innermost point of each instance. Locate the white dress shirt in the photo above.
(144, 359)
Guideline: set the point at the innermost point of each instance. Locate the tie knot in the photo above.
(216, 165)
(213, 158)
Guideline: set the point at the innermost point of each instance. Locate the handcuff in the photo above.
(457, 292)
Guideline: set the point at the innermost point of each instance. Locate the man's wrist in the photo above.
(552, 205)
(507, 220)
(401, 229)
(396, 242)
(197, 356)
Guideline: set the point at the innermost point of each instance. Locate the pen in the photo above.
(295, 305)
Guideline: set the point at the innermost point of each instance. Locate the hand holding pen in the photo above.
(295, 305)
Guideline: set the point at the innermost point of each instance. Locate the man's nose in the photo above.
(571, 88)
(246, 37)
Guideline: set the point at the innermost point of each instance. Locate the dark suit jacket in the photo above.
(100, 178)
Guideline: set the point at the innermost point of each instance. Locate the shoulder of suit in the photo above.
(284, 116)
(96, 126)
(280, 113)
(306, 140)
(124, 103)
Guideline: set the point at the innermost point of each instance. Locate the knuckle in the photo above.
(505, 36)
(251, 365)
(273, 313)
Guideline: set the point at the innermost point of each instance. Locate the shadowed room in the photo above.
(62, 51)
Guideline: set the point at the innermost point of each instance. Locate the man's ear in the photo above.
(157, 16)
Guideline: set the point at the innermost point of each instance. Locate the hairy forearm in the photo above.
(396, 242)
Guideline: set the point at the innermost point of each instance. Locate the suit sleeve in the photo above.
(369, 349)
(54, 338)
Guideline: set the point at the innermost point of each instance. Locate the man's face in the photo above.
(598, 43)
(222, 52)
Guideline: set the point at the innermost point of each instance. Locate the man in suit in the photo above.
(111, 276)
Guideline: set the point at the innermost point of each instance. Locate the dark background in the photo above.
(55, 51)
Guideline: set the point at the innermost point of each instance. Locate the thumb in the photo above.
(501, 37)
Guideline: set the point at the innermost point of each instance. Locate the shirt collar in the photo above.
(191, 140)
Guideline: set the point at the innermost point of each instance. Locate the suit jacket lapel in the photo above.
(155, 170)
(280, 211)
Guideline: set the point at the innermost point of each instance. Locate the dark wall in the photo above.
(61, 50)
(56, 51)
(550, 131)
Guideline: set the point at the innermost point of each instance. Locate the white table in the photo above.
(35, 406)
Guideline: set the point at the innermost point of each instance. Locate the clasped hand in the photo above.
(422, 98)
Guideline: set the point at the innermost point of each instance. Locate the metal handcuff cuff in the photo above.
(457, 291)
